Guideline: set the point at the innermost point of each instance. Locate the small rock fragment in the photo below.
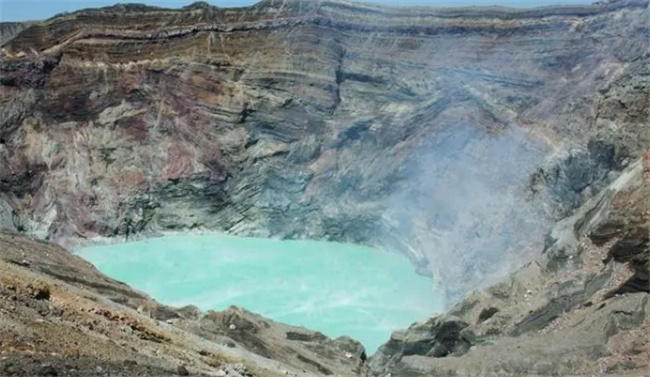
(221, 373)
(182, 371)
(9, 369)
(130, 363)
(47, 370)
(39, 291)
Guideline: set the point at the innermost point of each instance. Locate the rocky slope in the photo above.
(10, 29)
(59, 316)
(581, 309)
(324, 120)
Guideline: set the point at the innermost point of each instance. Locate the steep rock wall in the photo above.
(580, 308)
(10, 29)
(324, 120)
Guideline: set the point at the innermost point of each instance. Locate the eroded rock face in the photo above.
(340, 121)
(296, 346)
(9, 30)
(6, 216)
(321, 120)
(572, 312)
(582, 308)
(60, 316)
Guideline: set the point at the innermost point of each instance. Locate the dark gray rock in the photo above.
(8, 30)
(563, 308)
(6, 216)
(182, 371)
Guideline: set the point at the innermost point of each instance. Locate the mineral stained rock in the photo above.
(455, 136)
(327, 119)
(10, 29)
(582, 308)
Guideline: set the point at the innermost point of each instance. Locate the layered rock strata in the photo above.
(324, 120)
(582, 308)
(457, 137)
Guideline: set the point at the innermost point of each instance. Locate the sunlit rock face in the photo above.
(10, 29)
(303, 119)
(338, 289)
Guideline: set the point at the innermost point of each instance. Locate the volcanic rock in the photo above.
(329, 120)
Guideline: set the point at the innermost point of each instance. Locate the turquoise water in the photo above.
(338, 289)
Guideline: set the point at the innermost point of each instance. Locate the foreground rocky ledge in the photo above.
(59, 316)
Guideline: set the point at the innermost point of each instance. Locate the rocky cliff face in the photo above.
(10, 29)
(582, 308)
(457, 137)
(323, 120)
